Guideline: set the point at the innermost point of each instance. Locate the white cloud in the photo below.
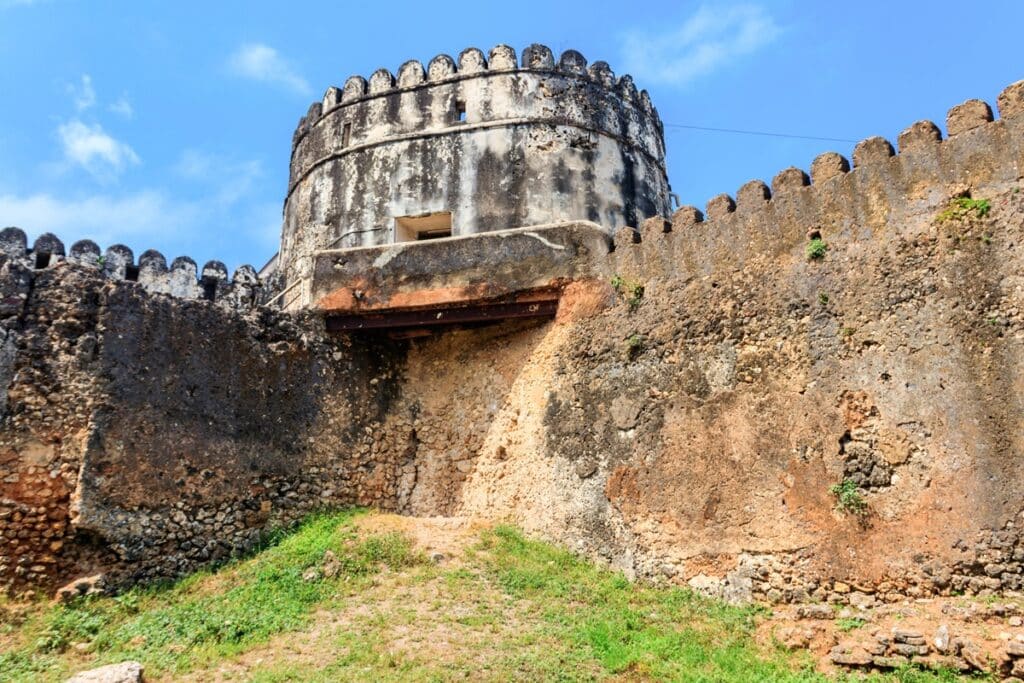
(232, 179)
(94, 150)
(122, 107)
(103, 218)
(263, 63)
(83, 94)
(712, 37)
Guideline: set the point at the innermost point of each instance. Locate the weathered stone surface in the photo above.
(905, 636)
(125, 672)
(974, 656)
(789, 180)
(815, 612)
(827, 166)
(889, 662)
(471, 268)
(874, 150)
(919, 136)
(850, 655)
(498, 147)
(719, 207)
(967, 116)
(87, 585)
(908, 650)
(752, 195)
(1011, 100)
(624, 412)
(174, 426)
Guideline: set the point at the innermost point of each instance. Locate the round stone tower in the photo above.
(474, 145)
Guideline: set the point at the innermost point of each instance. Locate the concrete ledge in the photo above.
(455, 271)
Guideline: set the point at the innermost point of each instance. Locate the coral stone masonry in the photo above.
(481, 143)
(808, 392)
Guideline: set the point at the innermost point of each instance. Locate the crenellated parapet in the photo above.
(466, 145)
(597, 100)
(182, 278)
(840, 201)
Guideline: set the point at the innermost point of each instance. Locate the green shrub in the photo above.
(631, 290)
(816, 249)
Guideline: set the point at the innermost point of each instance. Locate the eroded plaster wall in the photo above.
(540, 142)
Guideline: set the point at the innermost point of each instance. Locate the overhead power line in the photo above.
(756, 132)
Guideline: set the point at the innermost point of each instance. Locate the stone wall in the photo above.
(145, 434)
(685, 416)
(694, 429)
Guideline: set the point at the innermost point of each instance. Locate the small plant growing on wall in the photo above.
(631, 290)
(634, 345)
(849, 498)
(965, 207)
(816, 249)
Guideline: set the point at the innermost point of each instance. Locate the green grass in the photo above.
(653, 633)
(847, 624)
(207, 616)
(513, 608)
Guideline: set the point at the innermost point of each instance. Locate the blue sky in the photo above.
(169, 126)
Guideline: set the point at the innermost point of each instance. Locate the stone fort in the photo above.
(484, 304)
(483, 145)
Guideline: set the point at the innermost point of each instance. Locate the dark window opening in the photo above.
(131, 273)
(433, 234)
(429, 226)
(460, 111)
(42, 260)
(346, 135)
(209, 288)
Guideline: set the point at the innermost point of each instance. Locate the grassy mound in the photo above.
(510, 608)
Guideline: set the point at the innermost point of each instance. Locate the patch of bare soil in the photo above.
(442, 539)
